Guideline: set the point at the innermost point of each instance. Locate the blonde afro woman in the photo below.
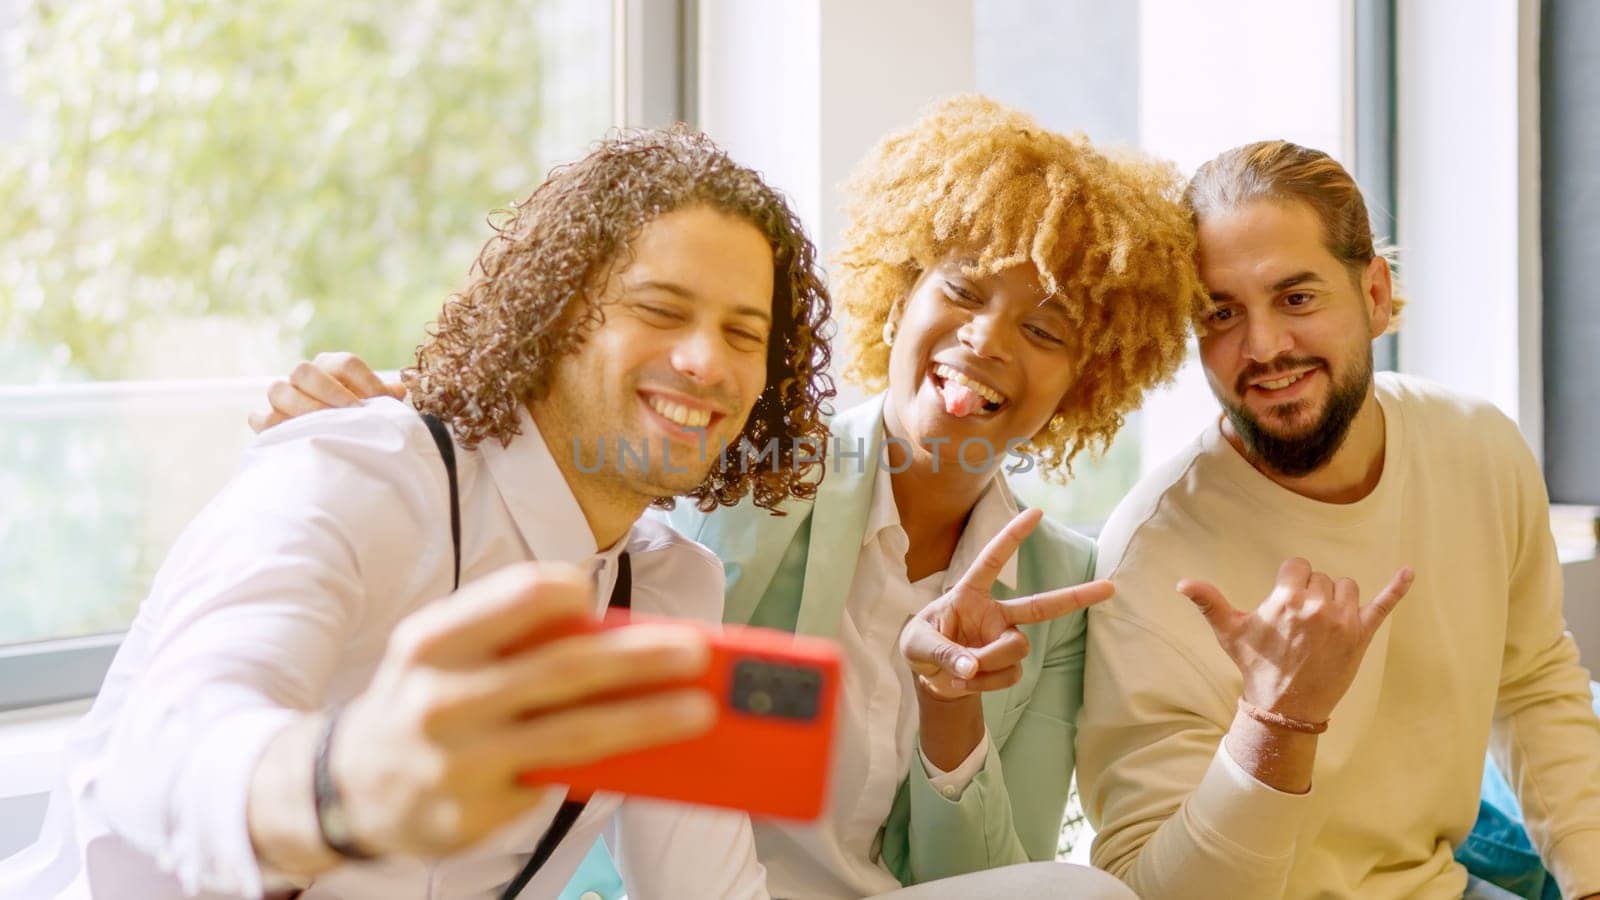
(1011, 293)
(1103, 233)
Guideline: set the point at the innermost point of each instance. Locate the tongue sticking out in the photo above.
(960, 400)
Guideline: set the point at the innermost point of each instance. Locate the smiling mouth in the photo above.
(680, 414)
(964, 395)
(1282, 383)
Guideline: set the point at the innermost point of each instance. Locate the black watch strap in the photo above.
(332, 820)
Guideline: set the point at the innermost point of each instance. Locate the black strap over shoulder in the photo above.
(621, 598)
(447, 451)
(565, 817)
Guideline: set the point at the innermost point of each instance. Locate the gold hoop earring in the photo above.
(888, 334)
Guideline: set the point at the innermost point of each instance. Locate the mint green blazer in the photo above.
(793, 572)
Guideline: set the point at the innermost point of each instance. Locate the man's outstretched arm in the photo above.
(207, 764)
(426, 758)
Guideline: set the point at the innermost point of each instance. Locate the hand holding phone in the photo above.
(769, 749)
(426, 758)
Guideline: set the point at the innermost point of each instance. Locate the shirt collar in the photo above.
(538, 497)
(882, 513)
(996, 507)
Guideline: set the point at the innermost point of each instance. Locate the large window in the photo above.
(1183, 79)
(199, 194)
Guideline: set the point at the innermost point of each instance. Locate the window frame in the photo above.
(54, 671)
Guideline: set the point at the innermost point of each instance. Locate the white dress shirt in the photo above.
(839, 856)
(279, 599)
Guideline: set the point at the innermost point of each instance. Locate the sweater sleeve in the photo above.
(1011, 812)
(1545, 736)
(1175, 815)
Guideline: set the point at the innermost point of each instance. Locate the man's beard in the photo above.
(1303, 454)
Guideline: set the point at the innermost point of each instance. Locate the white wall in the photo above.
(1073, 64)
(1214, 74)
(882, 62)
(760, 92)
(801, 90)
(1468, 209)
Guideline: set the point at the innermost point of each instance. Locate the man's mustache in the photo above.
(1257, 371)
(723, 401)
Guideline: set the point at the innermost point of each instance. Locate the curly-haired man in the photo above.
(295, 707)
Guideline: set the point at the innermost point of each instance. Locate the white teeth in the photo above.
(1282, 383)
(679, 414)
(982, 390)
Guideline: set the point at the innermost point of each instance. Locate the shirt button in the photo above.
(590, 895)
(951, 791)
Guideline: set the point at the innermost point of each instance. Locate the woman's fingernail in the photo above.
(965, 666)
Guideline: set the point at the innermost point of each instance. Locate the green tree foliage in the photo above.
(299, 174)
(322, 169)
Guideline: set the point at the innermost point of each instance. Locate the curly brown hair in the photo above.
(533, 296)
(1107, 233)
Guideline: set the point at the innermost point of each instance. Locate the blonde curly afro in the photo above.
(1106, 233)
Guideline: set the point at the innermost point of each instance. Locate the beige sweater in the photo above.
(1476, 656)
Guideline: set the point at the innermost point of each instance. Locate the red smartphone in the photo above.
(769, 752)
